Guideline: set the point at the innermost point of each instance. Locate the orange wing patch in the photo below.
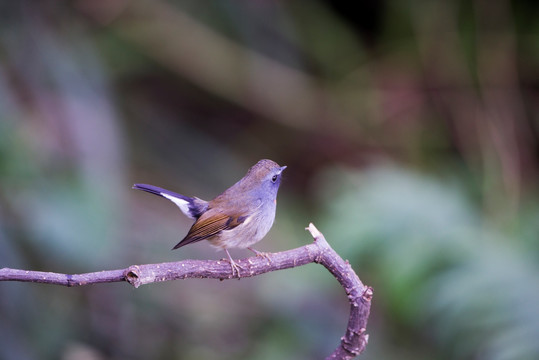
(210, 224)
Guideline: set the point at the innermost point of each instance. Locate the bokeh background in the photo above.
(411, 134)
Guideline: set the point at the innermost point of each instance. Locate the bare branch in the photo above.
(359, 295)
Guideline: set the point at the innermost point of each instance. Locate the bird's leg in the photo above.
(261, 253)
(235, 267)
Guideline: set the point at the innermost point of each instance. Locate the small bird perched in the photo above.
(238, 218)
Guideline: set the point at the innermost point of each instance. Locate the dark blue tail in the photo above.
(159, 191)
(191, 207)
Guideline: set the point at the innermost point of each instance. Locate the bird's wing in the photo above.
(209, 224)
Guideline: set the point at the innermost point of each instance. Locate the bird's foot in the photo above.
(234, 266)
(263, 254)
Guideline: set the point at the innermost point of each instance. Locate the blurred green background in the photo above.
(411, 134)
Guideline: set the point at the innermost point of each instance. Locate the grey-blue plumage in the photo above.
(239, 217)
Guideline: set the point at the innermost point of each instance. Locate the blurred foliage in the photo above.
(411, 134)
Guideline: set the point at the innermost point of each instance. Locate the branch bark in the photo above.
(352, 343)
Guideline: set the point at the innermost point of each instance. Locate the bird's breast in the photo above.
(251, 231)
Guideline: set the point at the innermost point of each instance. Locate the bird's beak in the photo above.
(282, 168)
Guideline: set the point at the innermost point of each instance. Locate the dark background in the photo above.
(411, 134)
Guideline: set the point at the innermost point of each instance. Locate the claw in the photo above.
(261, 253)
(235, 267)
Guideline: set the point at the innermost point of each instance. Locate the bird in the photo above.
(238, 218)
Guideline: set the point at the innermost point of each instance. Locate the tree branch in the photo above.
(359, 295)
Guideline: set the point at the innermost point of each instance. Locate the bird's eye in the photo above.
(274, 178)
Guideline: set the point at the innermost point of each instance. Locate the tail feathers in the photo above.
(191, 207)
(158, 191)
